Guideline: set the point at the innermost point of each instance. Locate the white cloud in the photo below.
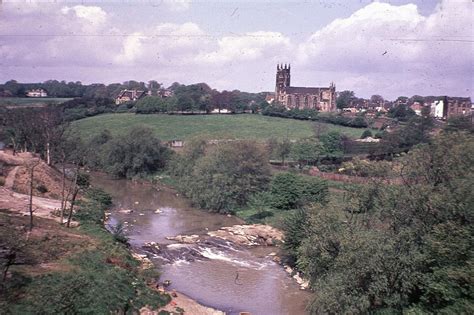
(177, 5)
(381, 40)
(132, 49)
(247, 47)
(91, 14)
(380, 49)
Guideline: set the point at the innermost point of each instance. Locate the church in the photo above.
(319, 98)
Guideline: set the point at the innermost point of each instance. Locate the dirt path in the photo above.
(19, 203)
(10, 180)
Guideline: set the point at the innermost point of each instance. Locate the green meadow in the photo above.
(242, 126)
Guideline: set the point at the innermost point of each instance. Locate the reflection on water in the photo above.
(230, 279)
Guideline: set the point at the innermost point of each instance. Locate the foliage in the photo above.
(295, 231)
(402, 112)
(332, 144)
(291, 191)
(459, 123)
(151, 105)
(313, 115)
(366, 168)
(136, 154)
(224, 177)
(367, 133)
(83, 107)
(344, 98)
(307, 151)
(397, 248)
(118, 233)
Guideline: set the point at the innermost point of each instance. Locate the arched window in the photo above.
(297, 101)
(306, 101)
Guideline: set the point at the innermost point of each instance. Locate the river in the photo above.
(229, 278)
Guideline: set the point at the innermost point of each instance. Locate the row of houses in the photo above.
(441, 107)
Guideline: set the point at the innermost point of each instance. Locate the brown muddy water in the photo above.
(223, 276)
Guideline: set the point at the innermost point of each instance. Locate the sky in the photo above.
(391, 48)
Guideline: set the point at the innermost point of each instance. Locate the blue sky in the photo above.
(390, 48)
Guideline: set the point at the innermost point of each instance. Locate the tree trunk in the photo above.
(48, 154)
(31, 195)
(73, 199)
(63, 189)
(74, 195)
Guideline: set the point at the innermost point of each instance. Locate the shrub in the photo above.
(291, 191)
(367, 133)
(42, 188)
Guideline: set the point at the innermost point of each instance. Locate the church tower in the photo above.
(282, 79)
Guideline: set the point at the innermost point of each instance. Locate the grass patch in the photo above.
(169, 127)
(22, 101)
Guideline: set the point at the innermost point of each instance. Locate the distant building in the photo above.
(446, 107)
(417, 107)
(319, 98)
(37, 93)
(129, 96)
(176, 143)
(165, 93)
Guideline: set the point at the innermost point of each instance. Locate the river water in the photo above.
(229, 278)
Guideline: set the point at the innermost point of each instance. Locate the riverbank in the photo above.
(215, 272)
(52, 269)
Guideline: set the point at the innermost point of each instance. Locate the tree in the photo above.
(291, 191)
(138, 153)
(332, 144)
(227, 175)
(283, 150)
(376, 99)
(402, 112)
(344, 99)
(151, 104)
(306, 151)
(32, 164)
(397, 248)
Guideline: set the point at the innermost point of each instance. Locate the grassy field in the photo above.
(169, 127)
(31, 101)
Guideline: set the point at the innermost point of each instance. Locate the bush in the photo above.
(367, 133)
(42, 188)
(291, 191)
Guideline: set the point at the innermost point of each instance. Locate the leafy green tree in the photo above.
(151, 104)
(332, 144)
(295, 232)
(226, 176)
(398, 248)
(138, 153)
(401, 112)
(291, 191)
(283, 150)
(286, 191)
(344, 99)
(307, 151)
